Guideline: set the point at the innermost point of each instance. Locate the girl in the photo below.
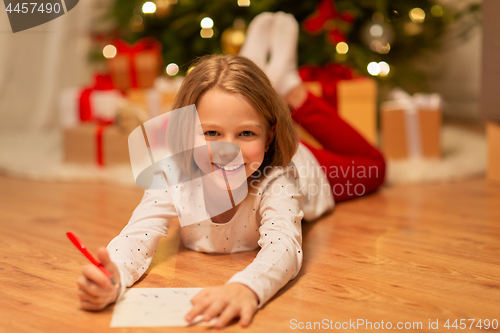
(236, 103)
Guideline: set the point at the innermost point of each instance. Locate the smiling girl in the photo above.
(236, 103)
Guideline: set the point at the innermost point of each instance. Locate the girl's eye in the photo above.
(211, 133)
(246, 133)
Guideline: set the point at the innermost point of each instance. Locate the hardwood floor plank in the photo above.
(404, 254)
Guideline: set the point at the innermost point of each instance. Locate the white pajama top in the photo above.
(269, 217)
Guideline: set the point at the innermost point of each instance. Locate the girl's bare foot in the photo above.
(297, 96)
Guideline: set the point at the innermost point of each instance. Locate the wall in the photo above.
(457, 70)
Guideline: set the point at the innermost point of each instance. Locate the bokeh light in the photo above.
(373, 68)
(413, 28)
(136, 23)
(207, 23)
(378, 47)
(149, 7)
(384, 68)
(376, 30)
(342, 48)
(437, 11)
(243, 3)
(172, 69)
(206, 33)
(109, 51)
(417, 15)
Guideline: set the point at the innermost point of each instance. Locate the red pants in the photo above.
(353, 166)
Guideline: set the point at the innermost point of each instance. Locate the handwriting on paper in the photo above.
(152, 307)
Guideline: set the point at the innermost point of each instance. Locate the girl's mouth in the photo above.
(228, 167)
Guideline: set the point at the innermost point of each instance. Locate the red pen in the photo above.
(80, 246)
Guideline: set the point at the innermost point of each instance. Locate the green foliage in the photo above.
(179, 31)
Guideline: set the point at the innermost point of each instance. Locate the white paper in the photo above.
(151, 307)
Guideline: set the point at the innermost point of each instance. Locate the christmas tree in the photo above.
(382, 38)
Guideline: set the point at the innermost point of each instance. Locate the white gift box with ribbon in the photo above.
(411, 125)
(104, 105)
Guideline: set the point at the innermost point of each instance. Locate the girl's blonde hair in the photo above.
(239, 75)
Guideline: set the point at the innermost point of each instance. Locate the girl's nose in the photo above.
(224, 152)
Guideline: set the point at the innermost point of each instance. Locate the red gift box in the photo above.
(137, 65)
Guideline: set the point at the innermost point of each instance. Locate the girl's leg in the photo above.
(353, 166)
(335, 135)
(350, 176)
(345, 150)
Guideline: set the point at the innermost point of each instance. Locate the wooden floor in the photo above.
(405, 254)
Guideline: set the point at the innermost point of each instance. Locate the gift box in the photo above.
(156, 100)
(354, 96)
(130, 117)
(357, 105)
(135, 66)
(97, 144)
(97, 102)
(493, 135)
(153, 101)
(322, 81)
(411, 127)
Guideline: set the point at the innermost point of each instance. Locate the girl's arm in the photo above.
(133, 249)
(278, 261)
(280, 257)
(129, 254)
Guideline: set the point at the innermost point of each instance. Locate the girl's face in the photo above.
(228, 117)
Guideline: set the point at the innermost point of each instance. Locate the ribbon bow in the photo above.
(101, 82)
(324, 18)
(419, 100)
(147, 44)
(144, 44)
(328, 76)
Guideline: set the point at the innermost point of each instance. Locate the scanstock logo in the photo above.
(27, 14)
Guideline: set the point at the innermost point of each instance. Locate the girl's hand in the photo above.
(94, 288)
(227, 301)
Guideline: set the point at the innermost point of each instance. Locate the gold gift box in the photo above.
(80, 144)
(395, 124)
(356, 104)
